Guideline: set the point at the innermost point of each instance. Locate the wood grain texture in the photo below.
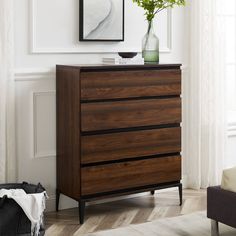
(105, 178)
(68, 131)
(127, 84)
(121, 212)
(126, 114)
(115, 146)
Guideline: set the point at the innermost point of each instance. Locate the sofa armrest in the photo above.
(221, 205)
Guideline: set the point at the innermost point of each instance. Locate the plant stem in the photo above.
(148, 32)
(161, 9)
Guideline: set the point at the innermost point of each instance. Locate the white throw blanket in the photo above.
(32, 204)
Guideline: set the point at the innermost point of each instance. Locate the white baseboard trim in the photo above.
(64, 203)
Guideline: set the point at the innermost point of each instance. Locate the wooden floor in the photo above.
(124, 212)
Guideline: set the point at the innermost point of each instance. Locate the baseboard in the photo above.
(65, 203)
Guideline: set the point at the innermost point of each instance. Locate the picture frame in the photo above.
(101, 20)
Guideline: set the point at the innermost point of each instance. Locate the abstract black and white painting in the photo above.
(101, 20)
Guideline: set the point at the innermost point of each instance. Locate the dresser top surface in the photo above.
(121, 67)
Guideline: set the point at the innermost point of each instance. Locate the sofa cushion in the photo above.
(229, 179)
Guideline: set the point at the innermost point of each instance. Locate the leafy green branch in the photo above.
(152, 7)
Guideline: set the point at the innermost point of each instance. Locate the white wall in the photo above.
(46, 34)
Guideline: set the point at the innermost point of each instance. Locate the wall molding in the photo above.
(232, 130)
(36, 152)
(35, 49)
(32, 74)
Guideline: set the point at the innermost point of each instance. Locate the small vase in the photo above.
(150, 45)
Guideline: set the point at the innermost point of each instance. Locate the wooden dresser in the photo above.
(118, 130)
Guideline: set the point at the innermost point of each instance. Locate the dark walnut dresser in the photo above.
(118, 130)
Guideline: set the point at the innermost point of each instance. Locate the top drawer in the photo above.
(128, 84)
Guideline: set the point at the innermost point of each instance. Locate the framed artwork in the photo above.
(101, 20)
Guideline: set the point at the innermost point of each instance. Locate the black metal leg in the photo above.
(180, 194)
(153, 192)
(57, 199)
(81, 211)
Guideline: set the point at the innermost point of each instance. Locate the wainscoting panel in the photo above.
(44, 123)
(35, 128)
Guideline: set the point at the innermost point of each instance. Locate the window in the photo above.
(227, 9)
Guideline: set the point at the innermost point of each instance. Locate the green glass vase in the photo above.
(150, 45)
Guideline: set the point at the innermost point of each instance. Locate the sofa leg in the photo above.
(214, 228)
(180, 194)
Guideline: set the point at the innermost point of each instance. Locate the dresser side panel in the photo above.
(68, 131)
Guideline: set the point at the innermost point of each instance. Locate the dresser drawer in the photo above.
(126, 84)
(108, 147)
(127, 114)
(105, 178)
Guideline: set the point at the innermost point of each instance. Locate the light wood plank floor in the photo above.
(124, 212)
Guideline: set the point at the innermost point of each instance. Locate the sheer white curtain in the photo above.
(204, 120)
(7, 129)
